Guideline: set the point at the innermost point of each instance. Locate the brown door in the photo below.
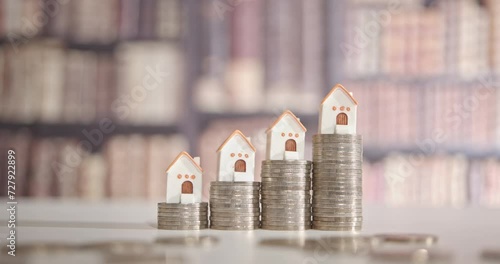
(240, 166)
(342, 119)
(291, 145)
(187, 187)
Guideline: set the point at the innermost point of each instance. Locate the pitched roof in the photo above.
(339, 86)
(287, 112)
(184, 153)
(236, 132)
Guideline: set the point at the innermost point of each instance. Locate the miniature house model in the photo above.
(236, 158)
(184, 183)
(286, 138)
(337, 114)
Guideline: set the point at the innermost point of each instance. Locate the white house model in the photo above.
(184, 183)
(286, 138)
(337, 113)
(236, 158)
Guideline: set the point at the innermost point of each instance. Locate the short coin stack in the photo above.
(286, 194)
(234, 205)
(177, 216)
(337, 182)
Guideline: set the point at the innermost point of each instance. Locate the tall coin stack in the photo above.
(177, 216)
(234, 205)
(286, 194)
(337, 182)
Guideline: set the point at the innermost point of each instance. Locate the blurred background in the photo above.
(98, 97)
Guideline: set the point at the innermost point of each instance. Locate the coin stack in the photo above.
(336, 181)
(286, 194)
(234, 205)
(177, 216)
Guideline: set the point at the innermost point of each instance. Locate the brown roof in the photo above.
(339, 86)
(236, 132)
(287, 112)
(183, 153)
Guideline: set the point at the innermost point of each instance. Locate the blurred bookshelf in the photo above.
(228, 65)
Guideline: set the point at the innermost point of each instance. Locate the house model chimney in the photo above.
(197, 160)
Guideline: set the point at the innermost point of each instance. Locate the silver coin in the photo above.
(254, 199)
(233, 193)
(282, 220)
(183, 211)
(289, 224)
(286, 214)
(337, 228)
(180, 222)
(283, 192)
(181, 206)
(287, 228)
(337, 224)
(275, 172)
(248, 199)
(286, 162)
(234, 218)
(187, 218)
(216, 211)
(287, 203)
(230, 206)
(281, 175)
(182, 227)
(286, 184)
(287, 188)
(234, 197)
(292, 205)
(285, 166)
(300, 179)
(235, 183)
(285, 210)
(240, 227)
(239, 188)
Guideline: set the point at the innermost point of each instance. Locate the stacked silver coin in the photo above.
(177, 216)
(234, 205)
(337, 182)
(286, 194)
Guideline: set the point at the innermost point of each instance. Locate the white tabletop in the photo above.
(464, 232)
